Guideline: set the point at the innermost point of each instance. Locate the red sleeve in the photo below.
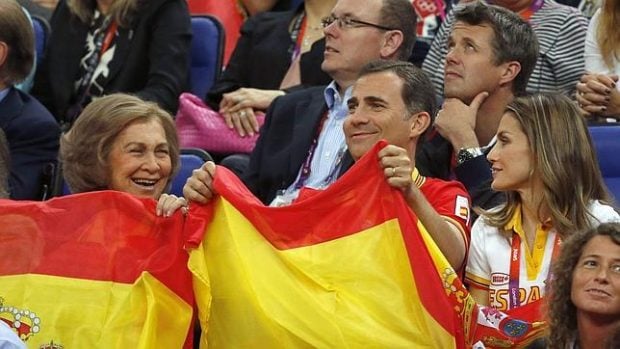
(450, 200)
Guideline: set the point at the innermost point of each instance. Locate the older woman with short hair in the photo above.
(123, 143)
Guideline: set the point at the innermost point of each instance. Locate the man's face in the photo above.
(470, 67)
(377, 111)
(348, 49)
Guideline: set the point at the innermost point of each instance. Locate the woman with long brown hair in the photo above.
(545, 163)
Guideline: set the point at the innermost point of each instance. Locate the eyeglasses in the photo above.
(347, 22)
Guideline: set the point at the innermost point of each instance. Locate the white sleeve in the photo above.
(478, 269)
(592, 53)
(603, 213)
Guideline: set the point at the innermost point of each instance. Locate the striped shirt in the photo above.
(561, 32)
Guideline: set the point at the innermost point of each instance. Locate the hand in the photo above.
(169, 203)
(199, 187)
(51, 4)
(456, 121)
(397, 167)
(244, 121)
(595, 92)
(254, 98)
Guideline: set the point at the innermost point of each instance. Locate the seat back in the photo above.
(41, 34)
(207, 53)
(191, 159)
(295, 3)
(607, 143)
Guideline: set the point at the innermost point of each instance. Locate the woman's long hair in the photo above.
(563, 157)
(607, 33)
(120, 10)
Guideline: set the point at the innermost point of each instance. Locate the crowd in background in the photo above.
(502, 165)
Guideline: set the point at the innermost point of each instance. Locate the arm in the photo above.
(398, 170)
(168, 55)
(567, 57)
(592, 53)
(479, 295)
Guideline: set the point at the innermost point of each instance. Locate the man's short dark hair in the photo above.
(417, 93)
(17, 33)
(400, 15)
(514, 39)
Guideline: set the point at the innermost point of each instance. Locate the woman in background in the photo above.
(277, 52)
(98, 47)
(598, 92)
(584, 301)
(545, 163)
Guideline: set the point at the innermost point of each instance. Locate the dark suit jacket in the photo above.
(434, 159)
(151, 58)
(32, 135)
(290, 126)
(262, 57)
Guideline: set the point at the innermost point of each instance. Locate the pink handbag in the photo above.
(199, 126)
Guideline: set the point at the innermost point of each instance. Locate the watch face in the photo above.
(464, 155)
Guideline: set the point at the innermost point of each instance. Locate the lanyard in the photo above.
(515, 267)
(528, 12)
(109, 36)
(297, 35)
(305, 168)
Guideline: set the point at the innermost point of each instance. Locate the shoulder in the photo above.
(159, 7)
(434, 188)
(552, 12)
(483, 229)
(268, 21)
(603, 213)
(309, 95)
(34, 110)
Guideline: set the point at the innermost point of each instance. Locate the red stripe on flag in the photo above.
(106, 236)
(297, 223)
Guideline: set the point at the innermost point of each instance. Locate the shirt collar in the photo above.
(515, 223)
(332, 97)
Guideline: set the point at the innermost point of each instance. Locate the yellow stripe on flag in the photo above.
(351, 292)
(101, 314)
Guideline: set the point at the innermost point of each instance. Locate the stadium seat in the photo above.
(41, 35)
(207, 53)
(607, 143)
(295, 3)
(191, 159)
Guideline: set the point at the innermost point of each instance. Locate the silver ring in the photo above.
(393, 171)
(242, 114)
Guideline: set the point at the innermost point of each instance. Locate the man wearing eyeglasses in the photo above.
(302, 143)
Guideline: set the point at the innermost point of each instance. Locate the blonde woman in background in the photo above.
(598, 92)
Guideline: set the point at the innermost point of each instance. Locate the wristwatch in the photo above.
(466, 154)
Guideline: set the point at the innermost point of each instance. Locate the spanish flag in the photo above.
(94, 270)
(348, 267)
